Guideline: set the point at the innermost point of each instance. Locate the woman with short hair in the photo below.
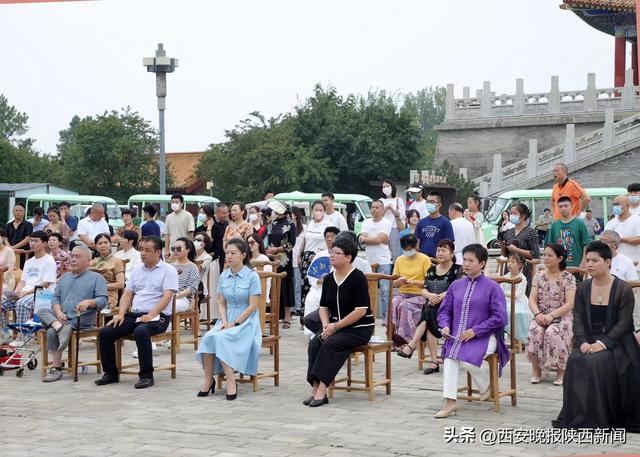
(346, 318)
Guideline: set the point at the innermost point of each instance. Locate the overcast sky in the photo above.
(237, 56)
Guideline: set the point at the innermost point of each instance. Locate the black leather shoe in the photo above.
(232, 397)
(206, 392)
(315, 403)
(307, 401)
(144, 383)
(430, 370)
(107, 378)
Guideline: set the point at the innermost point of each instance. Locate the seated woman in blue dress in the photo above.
(603, 371)
(234, 343)
(346, 317)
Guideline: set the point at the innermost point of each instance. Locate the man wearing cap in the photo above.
(419, 202)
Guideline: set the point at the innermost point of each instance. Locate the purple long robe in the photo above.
(478, 304)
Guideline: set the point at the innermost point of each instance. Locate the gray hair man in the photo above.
(92, 225)
(80, 292)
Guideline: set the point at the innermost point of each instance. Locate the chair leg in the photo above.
(99, 365)
(195, 328)
(119, 354)
(174, 349)
(349, 371)
(219, 382)
(276, 363)
(469, 386)
(512, 363)
(494, 383)
(388, 372)
(179, 343)
(368, 367)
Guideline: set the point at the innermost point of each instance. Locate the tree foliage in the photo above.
(113, 154)
(427, 106)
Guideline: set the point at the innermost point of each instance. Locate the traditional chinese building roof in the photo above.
(614, 17)
(183, 166)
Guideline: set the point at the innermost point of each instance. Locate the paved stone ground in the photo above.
(67, 419)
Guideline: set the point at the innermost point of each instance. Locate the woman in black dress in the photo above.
(438, 279)
(280, 239)
(603, 371)
(522, 239)
(346, 317)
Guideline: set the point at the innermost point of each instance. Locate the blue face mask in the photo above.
(201, 217)
(515, 220)
(617, 210)
(431, 208)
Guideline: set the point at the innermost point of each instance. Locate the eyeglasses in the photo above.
(336, 253)
(176, 249)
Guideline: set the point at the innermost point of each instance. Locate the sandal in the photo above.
(403, 354)
(535, 380)
(557, 382)
(286, 325)
(430, 370)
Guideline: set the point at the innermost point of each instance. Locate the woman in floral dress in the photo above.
(279, 241)
(551, 302)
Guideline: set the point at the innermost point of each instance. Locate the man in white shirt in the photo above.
(179, 224)
(627, 226)
(127, 251)
(334, 217)
(39, 271)
(419, 202)
(38, 221)
(621, 265)
(463, 230)
(375, 237)
(633, 192)
(92, 225)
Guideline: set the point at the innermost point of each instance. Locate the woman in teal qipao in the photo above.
(234, 343)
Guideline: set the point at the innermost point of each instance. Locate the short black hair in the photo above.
(38, 211)
(131, 235)
(546, 209)
(564, 199)
(478, 250)
(42, 236)
(128, 211)
(457, 207)
(559, 251)
(150, 210)
(177, 197)
(208, 210)
(56, 235)
(433, 193)
(348, 245)
(522, 209)
(331, 229)
(268, 191)
(328, 194)
(99, 236)
(19, 204)
(599, 248)
(156, 240)
(64, 203)
(411, 213)
(633, 187)
(408, 241)
(588, 211)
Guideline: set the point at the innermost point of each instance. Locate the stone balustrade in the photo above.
(487, 104)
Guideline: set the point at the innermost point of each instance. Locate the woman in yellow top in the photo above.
(110, 267)
(238, 227)
(407, 306)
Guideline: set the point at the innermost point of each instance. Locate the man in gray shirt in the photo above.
(79, 291)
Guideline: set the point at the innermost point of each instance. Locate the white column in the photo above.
(485, 101)
(590, 99)
(628, 92)
(608, 131)
(496, 176)
(532, 159)
(450, 109)
(570, 144)
(466, 92)
(554, 95)
(518, 101)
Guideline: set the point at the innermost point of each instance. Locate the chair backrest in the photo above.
(372, 279)
(535, 263)
(512, 306)
(276, 279)
(259, 265)
(501, 265)
(578, 271)
(635, 283)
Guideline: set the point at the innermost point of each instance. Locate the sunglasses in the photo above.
(176, 249)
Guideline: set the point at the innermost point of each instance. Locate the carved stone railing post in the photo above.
(518, 101)
(496, 177)
(590, 96)
(554, 95)
(628, 92)
(608, 131)
(570, 144)
(532, 159)
(485, 101)
(450, 108)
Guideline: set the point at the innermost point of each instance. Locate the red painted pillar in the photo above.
(621, 48)
(634, 62)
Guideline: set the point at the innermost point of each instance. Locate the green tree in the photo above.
(113, 154)
(427, 107)
(464, 187)
(263, 154)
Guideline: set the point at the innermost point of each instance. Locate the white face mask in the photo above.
(386, 190)
(253, 217)
(197, 244)
(633, 199)
(410, 253)
(175, 206)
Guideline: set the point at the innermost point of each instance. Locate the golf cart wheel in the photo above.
(20, 372)
(32, 364)
(494, 244)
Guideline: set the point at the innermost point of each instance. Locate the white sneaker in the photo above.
(106, 311)
(154, 348)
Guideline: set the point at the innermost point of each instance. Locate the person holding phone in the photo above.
(472, 317)
(551, 301)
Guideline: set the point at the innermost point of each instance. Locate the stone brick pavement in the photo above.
(67, 419)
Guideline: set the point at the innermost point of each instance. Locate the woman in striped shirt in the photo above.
(183, 254)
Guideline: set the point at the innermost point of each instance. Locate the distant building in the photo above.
(183, 167)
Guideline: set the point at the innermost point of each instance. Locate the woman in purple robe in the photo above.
(472, 317)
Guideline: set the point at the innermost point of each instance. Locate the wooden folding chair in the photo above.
(369, 350)
(494, 361)
(270, 340)
(191, 317)
(501, 265)
(169, 335)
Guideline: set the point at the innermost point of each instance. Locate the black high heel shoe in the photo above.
(234, 396)
(206, 392)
